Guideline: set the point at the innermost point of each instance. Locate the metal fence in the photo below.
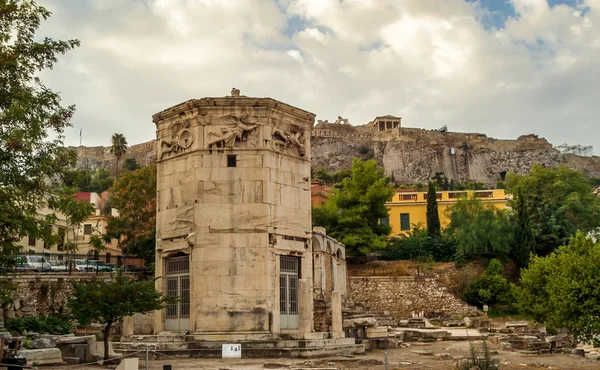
(76, 262)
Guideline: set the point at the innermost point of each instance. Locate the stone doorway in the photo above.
(288, 292)
(177, 276)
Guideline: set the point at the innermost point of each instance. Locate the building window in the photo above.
(60, 244)
(87, 229)
(384, 221)
(31, 242)
(231, 161)
(404, 221)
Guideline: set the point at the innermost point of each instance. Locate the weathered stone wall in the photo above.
(41, 294)
(402, 296)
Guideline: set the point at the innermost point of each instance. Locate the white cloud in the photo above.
(431, 62)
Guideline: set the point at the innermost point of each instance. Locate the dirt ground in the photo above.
(417, 356)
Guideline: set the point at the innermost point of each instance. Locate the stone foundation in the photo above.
(403, 296)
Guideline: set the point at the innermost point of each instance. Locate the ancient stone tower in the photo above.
(234, 216)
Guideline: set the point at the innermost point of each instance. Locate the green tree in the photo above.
(433, 217)
(524, 242)
(559, 201)
(562, 290)
(32, 125)
(85, 180)
(479, 229)
(417, 245)
(108, 302)
(130, 164)
(118, 148)
(353, 210)
(491, 288)
(441, 180)
(134, 196)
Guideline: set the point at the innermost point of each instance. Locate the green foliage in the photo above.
(491, 288)
(419, 246)
(441, 180)
(468, 185)
(594, 181)
(41, 324)
(419, 186)
(118, 148)
(480, 229)
(110, 301)
(524, 242)
(559, 201)
(562, 290)
(32, 125)
(433, 217)
(352, 213)
(134, 195)
(130, 164)
(84, 180)
(324, 176)
(479, 359)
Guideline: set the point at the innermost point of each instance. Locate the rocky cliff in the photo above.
(414, 155)
(411, 155)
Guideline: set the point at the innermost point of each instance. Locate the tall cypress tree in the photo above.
(433, 217)
(524, 238)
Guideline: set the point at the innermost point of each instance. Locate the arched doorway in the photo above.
(177, 276)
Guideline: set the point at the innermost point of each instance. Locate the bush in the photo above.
(482, 360)
(491, 288)
(418, 246)
(46, 325)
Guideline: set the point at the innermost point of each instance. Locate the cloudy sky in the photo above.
(500, 67)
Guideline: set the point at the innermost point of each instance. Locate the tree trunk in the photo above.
(107, 329)
(117, 169)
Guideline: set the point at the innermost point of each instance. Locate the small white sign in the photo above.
(231, 351)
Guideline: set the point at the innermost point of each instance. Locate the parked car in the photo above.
(82, 265)
(35, 263)
(58, 266)
(99, 266)
(130, 268)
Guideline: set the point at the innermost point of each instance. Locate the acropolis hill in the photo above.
(411, 155)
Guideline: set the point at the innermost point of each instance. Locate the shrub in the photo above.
(47, 325)
(418, 246)
(491, 288)
(482, 360)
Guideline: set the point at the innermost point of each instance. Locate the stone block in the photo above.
(76, 340)
(129, 364)
(40, 343)
(46, 356)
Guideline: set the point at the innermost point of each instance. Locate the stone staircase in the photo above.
(265, 345)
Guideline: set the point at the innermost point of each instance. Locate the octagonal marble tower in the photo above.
(234, 217)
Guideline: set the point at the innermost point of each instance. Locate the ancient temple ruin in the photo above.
(234, 234)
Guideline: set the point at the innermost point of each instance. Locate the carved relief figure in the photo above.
(181, 138)
(229, 135)
(295, 138)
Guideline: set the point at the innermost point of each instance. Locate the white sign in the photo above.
(231, 351)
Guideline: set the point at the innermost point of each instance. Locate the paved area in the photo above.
(427, 356)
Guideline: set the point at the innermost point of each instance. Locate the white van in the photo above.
(36, 263)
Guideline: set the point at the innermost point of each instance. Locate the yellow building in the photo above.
(408, 208)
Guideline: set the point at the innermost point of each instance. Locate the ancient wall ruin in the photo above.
(404, 295)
